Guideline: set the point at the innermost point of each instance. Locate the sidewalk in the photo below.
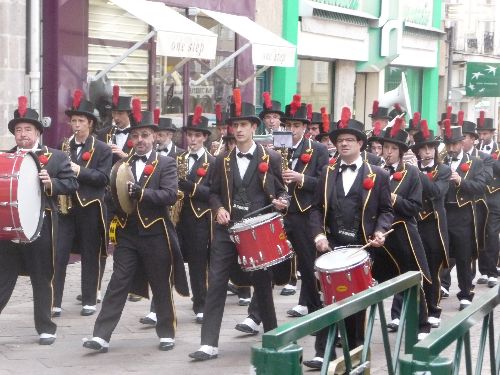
(133, 347)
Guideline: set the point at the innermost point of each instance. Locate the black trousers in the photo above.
(223, 258)
(79, 228)
(134, 253)
(300, 236)
(488, 257)
(194, 238)
(36, 260)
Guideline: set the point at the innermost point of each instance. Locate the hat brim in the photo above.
(194, 128)
(150, 126)
(453, 140)
(12, 124)
(374, 139)
(304, 121)
(89, 115)
(414, 147)
(476, 135)
(242, 118)
(320, 136)
(266, 111)
(360, 135)
(380, 117)
(173, 130)
(403, 145)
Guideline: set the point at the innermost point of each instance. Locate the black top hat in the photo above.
(395, 134)
(317, 118)
(120, 103)
(25, 114)
(165, 123)
(423, 137)
(468, 127)
(449, 115)
(397, 111)
(141, 119)
(296, 111)
(270, 106)
(241, 110)
(484, 123)
(346, 125)
(197, 122)
(414, 123)
(81, 106)
(452, 134)
(379, 112)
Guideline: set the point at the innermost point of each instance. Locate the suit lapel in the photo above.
(228, 174)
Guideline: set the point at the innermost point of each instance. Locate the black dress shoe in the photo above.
(164, 346)
(287, 292)
(294, 314)
(87, 312)
(199, 319)
(94, 345)
(202, 356)
(79, 298)
(56, 314)
(46, 340)
(245, 329)
(392, 327)
(313, 364)
(231, 288)
(148, 321)
(134, 298)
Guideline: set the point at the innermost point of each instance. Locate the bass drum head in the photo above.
(29, 197)
(253, 221)
(340, 258)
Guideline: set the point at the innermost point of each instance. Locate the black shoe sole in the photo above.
(95, 346)
(245, 329)
(166, 348)
(201, 356)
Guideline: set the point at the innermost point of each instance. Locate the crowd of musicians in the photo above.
(438, 196)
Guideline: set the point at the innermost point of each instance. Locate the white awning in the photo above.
(177, 35)
(268, 49)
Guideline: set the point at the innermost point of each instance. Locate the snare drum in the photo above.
(261, 241)
(21, 200)
(343, 272)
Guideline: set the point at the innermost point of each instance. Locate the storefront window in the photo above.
(314, 83)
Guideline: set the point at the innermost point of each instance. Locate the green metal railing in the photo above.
(280, 354)
(427, 358)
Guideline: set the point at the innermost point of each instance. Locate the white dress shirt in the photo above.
(243, 162)
(139, 166)
(121, 138)
(191, 160)
(166, 149)
(348, 175)
(454, 164)
(490, 145)
(36, 147)
(296, 146)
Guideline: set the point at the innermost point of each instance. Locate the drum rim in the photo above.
(245, 227)
(345, 268)
(269, 264)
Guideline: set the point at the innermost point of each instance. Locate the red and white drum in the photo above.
(261, 241)
(343, 272)
(21, 206)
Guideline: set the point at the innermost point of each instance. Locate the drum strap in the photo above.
(112, 230)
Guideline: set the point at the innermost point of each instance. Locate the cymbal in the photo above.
(121, 174)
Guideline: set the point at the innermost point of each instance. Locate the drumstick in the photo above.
(383, 235)
(257, 211)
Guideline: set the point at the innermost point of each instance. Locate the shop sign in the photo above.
(481, 80)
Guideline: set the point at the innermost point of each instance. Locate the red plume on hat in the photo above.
(481, 119)
(345, 116)
(237, 102)
(375, 107)
(449, 109)
(218, 112)
(396, 127)
(156, 116)
(77, 98)
(416, 120)
(136, 110)
(424, 128)
(377, 128)
(309, 112)
(295, 104)
(447, 128)
(116, 94)
(267, 100)
(460, 118)
(198, 110)
(325, 119)
(22, 105)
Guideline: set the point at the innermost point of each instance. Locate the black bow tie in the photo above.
(194, 156)
(242, 155)
(390, 169)
(75, 145)
(426, 169)
(487, 148)
(343, 167)
(165, 150)
(122, 131)
(136, 157)
(454, 159)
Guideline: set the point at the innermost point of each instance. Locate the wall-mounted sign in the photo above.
(482, 80)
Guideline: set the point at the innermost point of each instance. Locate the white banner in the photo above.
(186, 45)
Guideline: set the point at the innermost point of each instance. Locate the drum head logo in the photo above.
(341, 288)
(282, 236)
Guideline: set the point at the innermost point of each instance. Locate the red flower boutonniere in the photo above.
(305, 158)
(148, 169)
(398, 176)
(464, 167)
(43, 159)
(495, 155)
(332, 161)
(263, 167)
(430, 175)
(86, 156)
(368, 183)
(130, 144)
(202, 171)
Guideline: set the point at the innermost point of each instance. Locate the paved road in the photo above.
(134, 348)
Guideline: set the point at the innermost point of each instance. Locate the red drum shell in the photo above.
(261, 241)
(343, 272)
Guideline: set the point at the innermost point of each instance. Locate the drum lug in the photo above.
(328, 279)
(261, 256)
(348, 275)
(280, 252)
(239, 260)
(271, 225)
(12, 229)
(5, 204)
(253, 235)
(289, 244)
(252, 262)
(366, 268)
(244, 260)
(8, 176)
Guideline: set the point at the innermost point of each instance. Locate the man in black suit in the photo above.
(246, 179)
(146, 250)
(270, 115)
(466, 182)
(431, 220)
(164, 138)
(84, 228)
(352, 206)
(36, 258)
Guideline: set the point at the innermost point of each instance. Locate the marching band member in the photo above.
(164, 138)
(83, 228)
(316, 118)
(146, 244)
(36, 259)
(246, 179)
(221, 129)
(374, 143)
(488, 259)
(352, 206)
(270, 115)
(404, 243)
(380, 114)
(467, 181)
(431, 220)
